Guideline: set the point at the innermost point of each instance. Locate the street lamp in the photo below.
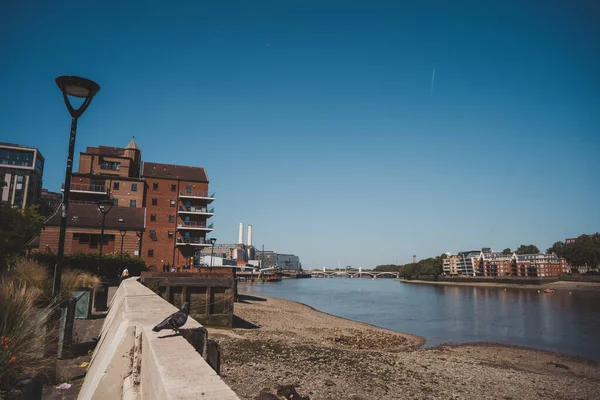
(104, 208)
(86, 89)
(122, 232)
(212, 247)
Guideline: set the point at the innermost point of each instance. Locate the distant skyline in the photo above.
(361, 132)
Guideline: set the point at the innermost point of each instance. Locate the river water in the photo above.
(557, 322)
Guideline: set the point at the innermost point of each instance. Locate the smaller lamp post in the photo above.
(122, 232)
(104, 208)
(212, 247)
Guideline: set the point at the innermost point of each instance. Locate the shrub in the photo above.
(109, 264)
(23, 333)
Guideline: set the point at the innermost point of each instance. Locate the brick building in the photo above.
(84, 224)
(177, 209)
(164, 208)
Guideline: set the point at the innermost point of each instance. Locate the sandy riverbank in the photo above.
(326, 357)
(561, 285)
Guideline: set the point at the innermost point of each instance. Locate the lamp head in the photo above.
(212, 241)
(77, 87)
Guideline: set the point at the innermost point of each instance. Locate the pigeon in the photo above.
(175, 320)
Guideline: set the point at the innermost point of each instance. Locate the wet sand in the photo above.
(560, 285)
(279, 342)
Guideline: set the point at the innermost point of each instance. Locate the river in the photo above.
(557, 322)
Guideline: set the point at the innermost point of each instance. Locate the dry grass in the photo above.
(23, 330)
(25, 306)
(36, 277)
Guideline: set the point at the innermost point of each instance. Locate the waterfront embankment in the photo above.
(278, 342)
(570, 286)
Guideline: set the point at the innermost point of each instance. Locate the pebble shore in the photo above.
(278, 344)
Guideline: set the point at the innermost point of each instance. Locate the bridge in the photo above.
(324, 273)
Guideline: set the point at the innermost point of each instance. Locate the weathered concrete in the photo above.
(133, 362)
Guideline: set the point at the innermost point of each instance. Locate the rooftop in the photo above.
(88, 216)
(170, 171)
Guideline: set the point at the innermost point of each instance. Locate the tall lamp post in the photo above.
(85, 89)
(212, 248)
(104, 208)
(122, 232)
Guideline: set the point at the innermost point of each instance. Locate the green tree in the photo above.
(506, 251)
(527, 249)
(17, 227)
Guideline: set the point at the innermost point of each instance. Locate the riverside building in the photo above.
(158, 212)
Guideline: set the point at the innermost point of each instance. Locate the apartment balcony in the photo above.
(88, 189)
(198, 210)
(194, 225)
(197, 195)
(192, 241)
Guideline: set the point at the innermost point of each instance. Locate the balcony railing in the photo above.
(194, 225)
(83, 187)
(198, 194)
(197, 209)
(192, 241)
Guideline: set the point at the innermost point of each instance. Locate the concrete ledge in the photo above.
(133, 362)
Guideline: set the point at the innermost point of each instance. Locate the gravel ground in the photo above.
(279, 343)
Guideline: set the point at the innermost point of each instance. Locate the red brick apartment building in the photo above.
(163, 208)
(177, 209)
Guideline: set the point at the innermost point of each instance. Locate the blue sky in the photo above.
(332, 141)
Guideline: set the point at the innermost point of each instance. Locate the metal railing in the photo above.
(83, 187)
(194, 224)
(191, 240)
(197, 209)
(197, 194)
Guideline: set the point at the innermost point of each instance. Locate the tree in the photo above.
(528, 249)
(17, 227)
(557, 248)
(506, 251)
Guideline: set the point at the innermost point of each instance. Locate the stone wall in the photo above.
(133, 362)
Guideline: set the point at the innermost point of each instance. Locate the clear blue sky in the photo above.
(332, 141)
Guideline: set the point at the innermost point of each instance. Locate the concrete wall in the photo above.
(133, 362)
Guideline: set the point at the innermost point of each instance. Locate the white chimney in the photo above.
(249, 235)
(241, 238)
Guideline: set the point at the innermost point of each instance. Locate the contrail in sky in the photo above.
(432, 80)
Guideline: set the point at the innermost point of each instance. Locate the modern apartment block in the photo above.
(489, 263)
(21, 168)
(177, 209)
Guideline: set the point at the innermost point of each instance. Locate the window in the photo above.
(76, 236)
(134, 187)
(188, 188)
(84, 238)
(154, 201)
(115, 185)
(170, 234)
(131, 203)
(172, 203)
(152, 235)
(94, 240)
(155, 185)
(110, 165)
(115, 202)
(171, 218)
(150, 253)
(173, 188)
(153, 217)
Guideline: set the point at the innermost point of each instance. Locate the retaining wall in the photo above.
(133, 362)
